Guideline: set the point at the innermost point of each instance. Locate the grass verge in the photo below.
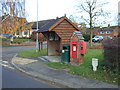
(85, 70)
(33, 53)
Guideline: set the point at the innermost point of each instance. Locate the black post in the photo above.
(39, 46)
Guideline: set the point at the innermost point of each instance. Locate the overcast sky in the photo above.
(50, 9)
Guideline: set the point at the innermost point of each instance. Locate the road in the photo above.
(11, 78)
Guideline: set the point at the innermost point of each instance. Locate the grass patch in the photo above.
(85, 70)
(33, 53)
(19, 40)
(97, 43)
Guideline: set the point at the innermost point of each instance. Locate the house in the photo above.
(14, 25)
(58, 33)
(106, 32)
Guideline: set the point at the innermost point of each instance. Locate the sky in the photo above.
(50, 9)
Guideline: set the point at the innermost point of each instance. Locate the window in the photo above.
(101, 32)
(107, 32)
(26, 32)
(53, 36)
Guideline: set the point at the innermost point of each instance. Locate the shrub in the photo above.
(111, 54)
(3, 38)
(87, 37)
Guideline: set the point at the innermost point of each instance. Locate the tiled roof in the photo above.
(40, 23)
(46, 26)
(107, 28)
(111, 28)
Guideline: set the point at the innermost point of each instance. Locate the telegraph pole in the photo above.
(37, 30)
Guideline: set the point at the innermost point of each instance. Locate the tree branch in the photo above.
(84, 8)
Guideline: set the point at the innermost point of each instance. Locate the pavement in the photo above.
(38, 69)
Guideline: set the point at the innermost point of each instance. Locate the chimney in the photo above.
(108, 25)
(65, 15)
(12, 8)
(57, 17)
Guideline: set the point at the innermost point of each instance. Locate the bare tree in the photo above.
(13, 7)
(93, 11)
(13, 16)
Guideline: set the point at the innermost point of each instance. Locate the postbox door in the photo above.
(74, 49)
(83, 47)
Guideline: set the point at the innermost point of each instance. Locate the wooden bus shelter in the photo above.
(58, 33)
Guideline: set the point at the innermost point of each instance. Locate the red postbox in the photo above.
(77, 48)
(83, 47)
(74, 49)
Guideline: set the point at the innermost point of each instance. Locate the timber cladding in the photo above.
(58, 32)
(63, 27)
(64, 30)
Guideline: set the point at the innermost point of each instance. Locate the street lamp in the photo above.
(37, 30)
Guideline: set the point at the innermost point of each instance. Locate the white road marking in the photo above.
(4, 61)
(6, 66)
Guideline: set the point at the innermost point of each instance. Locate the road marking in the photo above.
(5, 62)
(6, 66)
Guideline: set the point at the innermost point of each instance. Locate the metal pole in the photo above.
(37, 30)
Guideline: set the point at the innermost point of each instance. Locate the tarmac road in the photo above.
(11, 78)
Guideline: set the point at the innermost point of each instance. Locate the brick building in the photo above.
(106, 32)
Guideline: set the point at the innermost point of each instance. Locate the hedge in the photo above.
(111, 54)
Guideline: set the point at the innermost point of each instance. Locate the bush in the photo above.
(111, 54)
(87, 37)
(3, 38)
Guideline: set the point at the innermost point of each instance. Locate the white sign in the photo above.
(74, 48)
(94, 63)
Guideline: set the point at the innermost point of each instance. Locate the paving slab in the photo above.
(51, 58)
(23, 61)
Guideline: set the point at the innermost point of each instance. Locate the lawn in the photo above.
(84, 70)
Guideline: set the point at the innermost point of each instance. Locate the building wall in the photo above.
(116, 31)
(22, 34)
(64, 30)
(104, 34)
(113, 33)
(53, 48)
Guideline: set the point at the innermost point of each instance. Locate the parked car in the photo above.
(6, 35)
(97, 38)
